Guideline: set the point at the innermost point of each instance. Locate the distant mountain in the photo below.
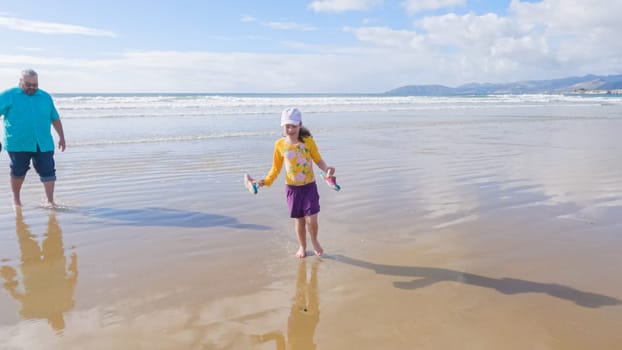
(586, 84)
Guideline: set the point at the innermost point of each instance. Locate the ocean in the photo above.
(133, 118)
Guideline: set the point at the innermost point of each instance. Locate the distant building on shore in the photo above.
(598, 92)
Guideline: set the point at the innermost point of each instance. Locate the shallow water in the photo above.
(490, 228)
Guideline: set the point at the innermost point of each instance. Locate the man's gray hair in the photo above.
(29, 73)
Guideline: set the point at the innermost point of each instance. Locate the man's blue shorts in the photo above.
(43, 163)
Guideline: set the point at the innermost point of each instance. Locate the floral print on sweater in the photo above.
(298, 159)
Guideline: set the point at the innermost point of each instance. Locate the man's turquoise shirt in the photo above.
(27, 120)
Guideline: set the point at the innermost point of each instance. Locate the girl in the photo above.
(298, 151)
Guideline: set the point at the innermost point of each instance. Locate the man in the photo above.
(27, 115)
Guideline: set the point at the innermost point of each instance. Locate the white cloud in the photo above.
(577, 31)
(346, 70)
(31, 49)
(289, 26)
(582, 37)
(25, 25)
(160, 71)
(465, 31)
(280, 25)
(414, 6)
(548, 39)
(387, 37)
(569, 15)
(247, 18)
(343, 5)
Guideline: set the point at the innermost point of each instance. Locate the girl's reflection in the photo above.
(304, 314)
(48, 283)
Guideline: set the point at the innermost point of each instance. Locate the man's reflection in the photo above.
(47, 282)
(304, 314)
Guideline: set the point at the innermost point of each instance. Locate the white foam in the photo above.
(118, 106)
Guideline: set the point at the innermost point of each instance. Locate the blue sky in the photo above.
(299, 46)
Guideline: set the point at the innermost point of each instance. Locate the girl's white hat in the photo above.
(291, 116)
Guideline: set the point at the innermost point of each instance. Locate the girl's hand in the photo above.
(261, 183)
(330, 171)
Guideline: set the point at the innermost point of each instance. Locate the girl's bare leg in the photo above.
(301, 232)
(312, 223)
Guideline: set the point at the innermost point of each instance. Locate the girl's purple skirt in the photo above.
(302, 200)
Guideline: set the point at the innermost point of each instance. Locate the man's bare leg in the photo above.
(49, 191)
(16, 187)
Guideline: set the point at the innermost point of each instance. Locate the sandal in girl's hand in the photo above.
(331, 180)
(250, 184)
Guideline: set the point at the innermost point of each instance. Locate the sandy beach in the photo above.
(453, 230)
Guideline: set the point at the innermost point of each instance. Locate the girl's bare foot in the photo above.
(317, 248)
(301, 253)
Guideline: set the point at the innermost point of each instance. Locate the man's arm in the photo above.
(58, 126)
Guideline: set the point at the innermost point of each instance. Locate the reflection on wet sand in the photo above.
(304, 314)
(47, 282)
(426, 276)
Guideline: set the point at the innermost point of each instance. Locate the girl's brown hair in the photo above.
(304, 133)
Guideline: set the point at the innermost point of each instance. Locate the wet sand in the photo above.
(501, 233)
